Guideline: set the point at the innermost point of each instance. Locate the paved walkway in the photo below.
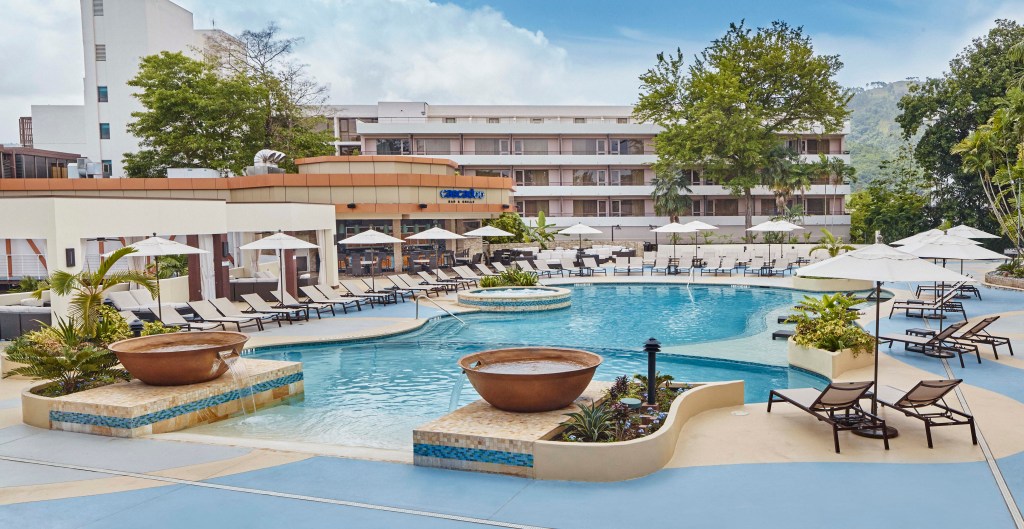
(745, 469)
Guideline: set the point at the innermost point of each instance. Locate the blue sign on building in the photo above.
(462, 194)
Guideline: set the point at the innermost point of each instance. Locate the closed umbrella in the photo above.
(158, 247)
(371, 237)
(581, 230)
(774, 226)
(436, 234)
(279, 242)
(879, 263)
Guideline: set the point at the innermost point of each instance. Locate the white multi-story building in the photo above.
(116, 34)
(589, 164)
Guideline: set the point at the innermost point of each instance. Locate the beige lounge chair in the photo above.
(315, 295)
(286, 300)
(171, 318)
(227, 308)
(208, 313)
(258, 304)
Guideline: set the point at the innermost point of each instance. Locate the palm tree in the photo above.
(671, 195)
(784, 175)
(831, 244)
(88, 288)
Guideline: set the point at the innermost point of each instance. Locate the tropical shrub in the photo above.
(512, 277)
(1014, 268)
(592, 424)
(150, 328)
(827, 324)
(30, 284)
(614, 421)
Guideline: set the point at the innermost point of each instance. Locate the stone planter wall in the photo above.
(826, 363)
(994, 278)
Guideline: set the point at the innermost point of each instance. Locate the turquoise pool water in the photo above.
(374, 393)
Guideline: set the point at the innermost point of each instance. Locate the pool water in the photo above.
(375, 393)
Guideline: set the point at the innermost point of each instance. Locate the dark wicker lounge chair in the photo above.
(926, 401)
(838, 405)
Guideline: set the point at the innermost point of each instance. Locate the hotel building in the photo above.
(589, 164)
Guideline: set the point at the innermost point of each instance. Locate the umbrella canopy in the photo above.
(436, 234)
(488, 231)
(156, 247)
(370, 237)
(775, 225)
(951, 247)
(674, 227)
(580, 229)
(278, 241)
(918, 237)
(700, 226)
(879, 263)
(968, 232)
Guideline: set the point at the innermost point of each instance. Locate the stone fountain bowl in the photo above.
(530, 379)
(180, 358)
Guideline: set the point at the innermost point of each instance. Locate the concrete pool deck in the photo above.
(733, 467)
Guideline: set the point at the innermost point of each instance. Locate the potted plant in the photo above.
(828, 340)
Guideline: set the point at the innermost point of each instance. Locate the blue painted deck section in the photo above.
(802, 495)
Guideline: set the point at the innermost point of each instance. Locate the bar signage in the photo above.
(462, 194)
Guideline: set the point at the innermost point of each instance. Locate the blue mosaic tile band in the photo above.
(514, 302)
(129, 423)
(479, 455)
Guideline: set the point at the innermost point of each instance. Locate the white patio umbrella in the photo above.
(436, 234)
(882, 264)
(675, 227)
(697, 225)
(918, 237)
(968, 232)
(774, 226)
(158, 247)
(487, 231)
(371, 237)
(581, 230)
(952, 247)
(279, 242)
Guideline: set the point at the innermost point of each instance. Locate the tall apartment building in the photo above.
(589, 164)
(116, 34)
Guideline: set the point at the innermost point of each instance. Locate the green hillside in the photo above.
(874, 134)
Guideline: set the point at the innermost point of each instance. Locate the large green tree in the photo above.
(948, 109)
(192, 117)
(893, 203)
(726, 111)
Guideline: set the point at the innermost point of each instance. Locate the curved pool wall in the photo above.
(373, 393)
(516, 299)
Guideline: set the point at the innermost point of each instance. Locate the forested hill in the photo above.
(874, 134)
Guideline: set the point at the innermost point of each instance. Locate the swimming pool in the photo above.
(373, 393)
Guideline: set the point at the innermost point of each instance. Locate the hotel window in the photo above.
(815, 206)
(104, 131)
(622, 121)
(724, 207)
(627, 208)
(536, 120)
(626, 177)
(490, 146)
(589, 146)
(101, 52)
(589, 177)
(589, 208)
(696, 204)
(579, 120)
(392, 146)
(696, 177)
(626, 146)
(768, 207)
(530, 147)
(449, 120)
(531, 177)
(108, 168)
(494, 120)
(531, 208)
(97, 8)
(101, 94)
(504, 173)
(434, 146)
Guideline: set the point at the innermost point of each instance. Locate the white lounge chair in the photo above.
(208, 313)
(258, 304)
(227, 308)
(286, 300)
(171, 318)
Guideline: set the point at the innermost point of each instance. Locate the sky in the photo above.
(507, 51)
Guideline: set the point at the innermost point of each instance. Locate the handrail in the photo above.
(421, 296)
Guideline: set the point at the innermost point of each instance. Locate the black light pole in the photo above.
(652, 346)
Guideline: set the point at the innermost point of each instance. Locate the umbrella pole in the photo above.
(873, 431)
(159, 304)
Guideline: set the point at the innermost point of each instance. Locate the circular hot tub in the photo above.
(516, 299)
(530, 379)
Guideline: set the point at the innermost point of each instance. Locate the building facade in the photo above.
(116, 34)
(589, 164)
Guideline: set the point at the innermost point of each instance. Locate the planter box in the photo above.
(830, 285)
(994, 278)
(826, 363)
